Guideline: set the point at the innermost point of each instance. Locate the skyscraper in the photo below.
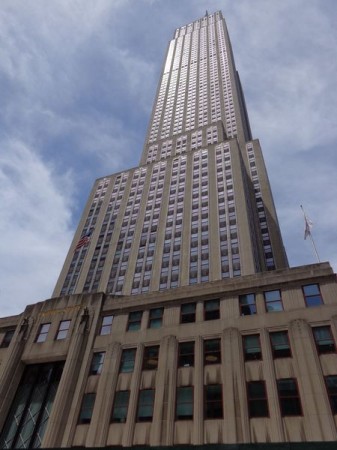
(176, 319)
(199, 207)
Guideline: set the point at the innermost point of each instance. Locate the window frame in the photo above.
(123, 405)
(256, 356)
(277, 353)
(212, 313)
(211, 353)
(124, 362)
(133, 322)
(319, 347)
(147, 357)
(188, 317)
(90, 398)
(294, 398)
(247, 306)
(278, 301)
(251, 400)
(41, 335)
(150, 404)
(210, 405)
(180, 403)
(310, 296)
(154, 320)
(62, 332)
(106, 326)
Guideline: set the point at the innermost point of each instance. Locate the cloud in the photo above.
(34, 227)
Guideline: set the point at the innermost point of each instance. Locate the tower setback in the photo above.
(176, 319)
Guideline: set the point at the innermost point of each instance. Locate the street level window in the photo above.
(257, 399)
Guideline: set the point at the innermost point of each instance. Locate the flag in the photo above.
(85, 239)
(308, 226)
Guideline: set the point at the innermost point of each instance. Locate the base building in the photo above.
(176, 319)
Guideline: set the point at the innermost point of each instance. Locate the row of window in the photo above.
(289, 401)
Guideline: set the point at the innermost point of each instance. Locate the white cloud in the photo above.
(34, 226)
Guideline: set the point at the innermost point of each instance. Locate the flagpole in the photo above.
(307, 232)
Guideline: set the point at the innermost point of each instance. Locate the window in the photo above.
(156, 317)
(184, 403)
(324, 340)
(289, 397)
(186, 354)
(212, 309)
(63, 330)
(187, 313)
(120, 407)
(247, 304)
(43, 332)
(257, 399)
(106, 325)
(7, 338)
(273, 301)
(145, 405)
(280, 344)
(252, 347)
(312, 295)
(212, 351)
(97, 363)
(127, 360)
(213, 401)
(151, 356)
(87, 408)
(331, 385)
(135, 319)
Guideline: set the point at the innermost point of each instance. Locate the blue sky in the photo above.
(78, 79)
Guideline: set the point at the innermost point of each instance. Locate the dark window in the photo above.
(106, 325)
(257, 399)
(135, 319)
(63, 330)
(331, 385)
(184, 403)
(120, 407)
(188, 313)
(156, 317)
(151, 355)
(280, 344)
(289, 397)
(97, 363)
(7, 338)
(87, 408)
(252, 347)
(273, 301)
(145, 405)
(127, 360)
(212, 309)
(312, 295)
(212, 351)
(186, 354)
(247, 304)
(43, 332)
(324, 340)
(213, 401)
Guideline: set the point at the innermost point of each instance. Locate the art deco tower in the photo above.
(198, 208)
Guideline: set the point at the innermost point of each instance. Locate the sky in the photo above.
(78, 80)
